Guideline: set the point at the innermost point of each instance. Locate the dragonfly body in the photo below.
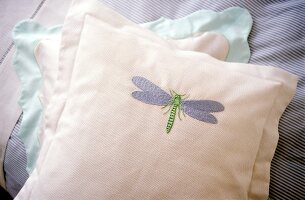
(175, 104)
(154, 95)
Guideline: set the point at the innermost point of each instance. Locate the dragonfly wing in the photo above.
(148, 86)
(151, 98)
(200, 115)
(204, 105)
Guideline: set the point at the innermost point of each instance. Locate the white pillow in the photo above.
(196, 159)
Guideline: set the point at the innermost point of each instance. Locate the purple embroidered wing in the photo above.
(150, 94)
(201, 109)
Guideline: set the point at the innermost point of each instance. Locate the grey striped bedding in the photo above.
(15, 162)
(277, 39)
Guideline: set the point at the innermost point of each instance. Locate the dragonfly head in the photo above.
(176, 98)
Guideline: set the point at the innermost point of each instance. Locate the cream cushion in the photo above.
(47, 56)
(118, 144)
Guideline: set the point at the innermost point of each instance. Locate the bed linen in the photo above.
(9, 109)
(15, 165)
(65, 73)
(285, 50)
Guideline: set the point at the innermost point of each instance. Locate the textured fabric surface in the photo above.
(234, 23)
(9, 110)
(26, 34)
(15, 162)
(277, 38)
(107, 65)
(212, 43)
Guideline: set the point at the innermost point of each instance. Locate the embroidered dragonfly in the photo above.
(197, 109)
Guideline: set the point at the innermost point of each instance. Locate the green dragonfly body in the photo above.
(174, 104)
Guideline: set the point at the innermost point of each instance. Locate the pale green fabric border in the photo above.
(234, 23)
(26, 35)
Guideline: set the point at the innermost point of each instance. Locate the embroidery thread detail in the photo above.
(197, 109)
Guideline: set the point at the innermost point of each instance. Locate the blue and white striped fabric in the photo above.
(277, 39)
(15, 162)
